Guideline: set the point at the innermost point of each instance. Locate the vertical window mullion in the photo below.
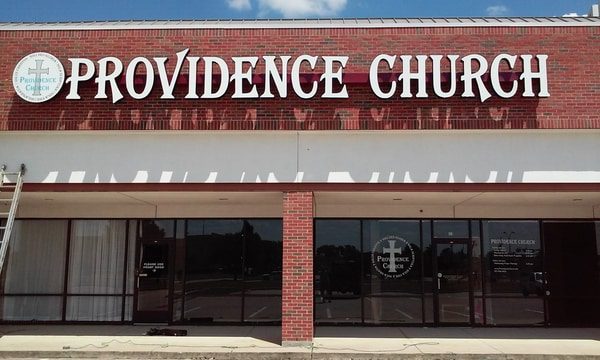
(125, 258)
(66, 274)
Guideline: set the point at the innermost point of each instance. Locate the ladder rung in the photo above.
(4, 213)
(2, 228)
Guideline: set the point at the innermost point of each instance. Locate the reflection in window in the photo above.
(381, 238)
(229, 263)
(380, 310)
(373, 275)
(513, 258)
(451, 229)
(427, 258)
(337, 270)
(213, 271)
(514, 311)
(262, 308)
(263, 257)
(157, 229)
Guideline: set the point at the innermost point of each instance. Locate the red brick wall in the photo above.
(573, 85)
(297, 292)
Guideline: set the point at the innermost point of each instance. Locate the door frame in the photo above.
(153, 316)
(434, 263)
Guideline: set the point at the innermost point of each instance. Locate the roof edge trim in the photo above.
(307, 24)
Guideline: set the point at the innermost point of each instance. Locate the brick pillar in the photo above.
(297, 292)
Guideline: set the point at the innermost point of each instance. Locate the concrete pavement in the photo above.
(109, 341)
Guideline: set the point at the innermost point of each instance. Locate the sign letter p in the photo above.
(76, 77)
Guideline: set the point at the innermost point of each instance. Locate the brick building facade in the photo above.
(301, 192)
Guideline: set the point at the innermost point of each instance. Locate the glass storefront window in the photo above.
(396, 310)
(263, 257)
(96, 264)
(515, 311)
(262, 308)
(157, 229)
(213, 287)
(263, 244)
(230, 271)
(94, 308)
(97, 257)
(393, 266)
(36, 257)
(598, 251)
(368, 270)
(476, 263)
(337, 270)
(513, 258)
(229, 263)
(451, 229)
(32, 308)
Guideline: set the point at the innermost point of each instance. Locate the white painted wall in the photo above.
(259, 210)
(249, 157)
(117, 210)
(492, 211)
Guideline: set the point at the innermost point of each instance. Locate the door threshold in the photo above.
(151, 324)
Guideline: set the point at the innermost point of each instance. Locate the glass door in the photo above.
(153, 282)
(452, 282)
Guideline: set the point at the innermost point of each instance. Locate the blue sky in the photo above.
(78, 10)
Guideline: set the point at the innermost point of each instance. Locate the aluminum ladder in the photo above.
(11, 184)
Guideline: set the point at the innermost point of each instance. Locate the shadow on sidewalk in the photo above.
(271, 334)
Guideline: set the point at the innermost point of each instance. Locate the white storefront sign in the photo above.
(39, 76)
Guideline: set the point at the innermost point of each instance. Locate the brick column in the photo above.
(297, 292)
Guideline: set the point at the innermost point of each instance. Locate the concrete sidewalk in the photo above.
(98, 341)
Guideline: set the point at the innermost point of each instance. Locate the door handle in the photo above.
(439, 280)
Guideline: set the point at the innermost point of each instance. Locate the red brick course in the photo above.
(573, 59)
(297, 292)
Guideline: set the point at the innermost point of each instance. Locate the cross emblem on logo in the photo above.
(38, 71)
(392, 251)
(393, 257)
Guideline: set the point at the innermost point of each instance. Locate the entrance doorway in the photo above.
(452, 281)
(571, 262)
(153, 273)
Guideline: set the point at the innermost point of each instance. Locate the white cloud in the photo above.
(239, 4)
(497, 10)
(302, 8)
(572, 14)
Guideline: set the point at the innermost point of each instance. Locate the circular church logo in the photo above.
(393, 257)
(38, 77)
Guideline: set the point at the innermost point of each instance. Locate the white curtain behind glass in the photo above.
(36, 265)
(96, 263)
